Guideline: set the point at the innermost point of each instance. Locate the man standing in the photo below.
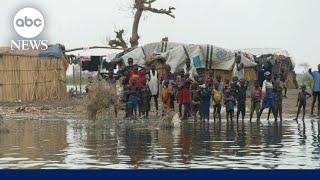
(238, 69)
(316, 88)
(126, 69)
(154, 86)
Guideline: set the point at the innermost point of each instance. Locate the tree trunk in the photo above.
(135, 36)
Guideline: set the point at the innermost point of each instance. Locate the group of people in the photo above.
(195, 94)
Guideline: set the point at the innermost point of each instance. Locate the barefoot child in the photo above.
(144, 99)
(133, 102)
(241, 93)
(195, 99)
(205, 102)
(216, 101)
(165, 96)
(229, 102)
(256, 97)
(180, 83)
(302, 100)
(278, 89)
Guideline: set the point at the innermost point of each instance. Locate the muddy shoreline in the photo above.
(76, 109)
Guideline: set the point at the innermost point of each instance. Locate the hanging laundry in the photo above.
(93, 64)
(83, 58)
(108, 66)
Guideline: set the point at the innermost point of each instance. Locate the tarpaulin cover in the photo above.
(176, 54)
(54, 51)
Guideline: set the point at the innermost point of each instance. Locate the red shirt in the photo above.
(184, 95)
(136, 75)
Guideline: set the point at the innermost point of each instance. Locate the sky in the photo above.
(292, 25)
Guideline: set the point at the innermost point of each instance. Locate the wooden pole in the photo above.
(93, 47)
(73, 78)
(80, 77)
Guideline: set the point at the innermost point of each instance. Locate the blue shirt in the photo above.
(316, 81)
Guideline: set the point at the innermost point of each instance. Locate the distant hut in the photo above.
(282, 63)
(27, 76)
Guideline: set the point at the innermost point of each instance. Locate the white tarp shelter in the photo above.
(176, 54)
(261, 51)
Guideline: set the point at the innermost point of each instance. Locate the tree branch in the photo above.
(140, 6)
(119, 41)
(160, 11)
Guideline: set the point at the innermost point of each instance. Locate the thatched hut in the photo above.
(26, 76)
(282, 63)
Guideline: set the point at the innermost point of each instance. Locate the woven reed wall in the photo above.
(30, 78)
(249, 74)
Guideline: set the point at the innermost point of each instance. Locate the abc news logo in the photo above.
(28, 23)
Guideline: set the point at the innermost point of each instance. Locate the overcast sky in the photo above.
(293, 25)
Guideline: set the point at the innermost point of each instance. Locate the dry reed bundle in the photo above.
(30, 78)
(250, 74)
(103, 99)
(224, 74)
(292, 82)
(3, 128)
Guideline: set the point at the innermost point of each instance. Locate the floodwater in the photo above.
(79, 144)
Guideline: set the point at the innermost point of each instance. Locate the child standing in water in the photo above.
(302, 101)
(133, 101)
(256, 96)
(144, 99)
(269, 97)
(226, 86)
(229, 102)
(195, 99)
(241, 94)
(172, 95)
(205, 102)
(165, 96)
(216, 101)
(278, 87)
(180, 83)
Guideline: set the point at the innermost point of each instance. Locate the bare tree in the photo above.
(139, 6)
(119, 41)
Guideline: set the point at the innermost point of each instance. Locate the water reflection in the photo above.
(218, 144)
(315, 139)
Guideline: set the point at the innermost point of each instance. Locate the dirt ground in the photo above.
(43, 110)
(76, 109)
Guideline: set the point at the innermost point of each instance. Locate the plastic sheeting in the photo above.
(176, 54)
(54, 51)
